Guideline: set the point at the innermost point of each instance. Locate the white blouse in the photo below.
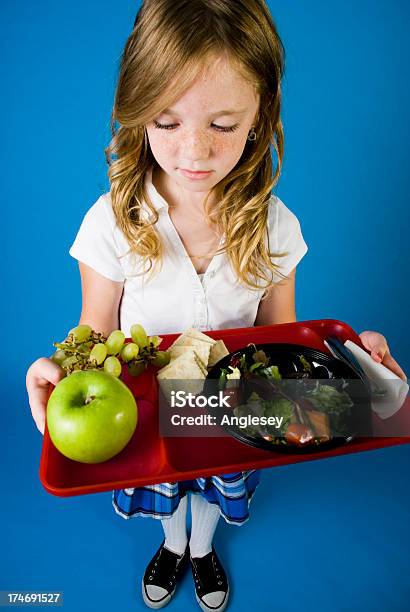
(177, 298)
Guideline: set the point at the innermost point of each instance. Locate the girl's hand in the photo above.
(39, 376)
(377, 344)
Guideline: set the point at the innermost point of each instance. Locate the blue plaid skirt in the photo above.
(231, 492)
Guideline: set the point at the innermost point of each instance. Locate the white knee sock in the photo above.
(174, 527)
(205, 517)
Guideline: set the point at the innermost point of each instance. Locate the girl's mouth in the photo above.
(195, 174)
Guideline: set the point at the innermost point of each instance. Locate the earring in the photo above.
(252, 134)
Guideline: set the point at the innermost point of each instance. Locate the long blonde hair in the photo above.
(171, 44)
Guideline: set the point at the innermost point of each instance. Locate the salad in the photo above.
(309, 411)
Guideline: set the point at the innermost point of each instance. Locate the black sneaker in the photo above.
(211, 583)
(161, 576)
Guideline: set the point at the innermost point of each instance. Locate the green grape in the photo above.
(155, 340)
(58, 356)
(139, 336)
(115, 342)
(81, 333)
(129, 351)
(98, 353)
(69, 361)
(136, 368)
(112, 366)
(161, 359)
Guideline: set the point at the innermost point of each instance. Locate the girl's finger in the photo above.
(41, 375)
(38, 396)
(374, 342)
(392, 365)
(378, 354)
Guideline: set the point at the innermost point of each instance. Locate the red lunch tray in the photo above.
(150, 459)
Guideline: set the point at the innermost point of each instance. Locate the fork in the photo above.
(341, 352)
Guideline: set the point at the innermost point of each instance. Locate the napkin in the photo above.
(396, 389)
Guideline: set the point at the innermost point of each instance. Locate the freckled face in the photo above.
(200, 137)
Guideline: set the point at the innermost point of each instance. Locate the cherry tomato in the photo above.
(235, 361)
(299, 435)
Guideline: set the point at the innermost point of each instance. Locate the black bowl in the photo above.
(324, 367)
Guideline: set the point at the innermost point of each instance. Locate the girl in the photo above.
(190, 235)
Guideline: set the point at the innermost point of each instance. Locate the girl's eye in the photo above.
(171, 126)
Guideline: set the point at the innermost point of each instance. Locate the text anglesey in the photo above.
(240, 421)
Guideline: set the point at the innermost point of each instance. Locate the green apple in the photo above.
(91, 416)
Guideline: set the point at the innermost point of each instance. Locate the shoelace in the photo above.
(207, 573)
(160, 571)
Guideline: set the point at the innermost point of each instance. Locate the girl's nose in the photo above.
(196, 145)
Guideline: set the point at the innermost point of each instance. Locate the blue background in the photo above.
(333, 534)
